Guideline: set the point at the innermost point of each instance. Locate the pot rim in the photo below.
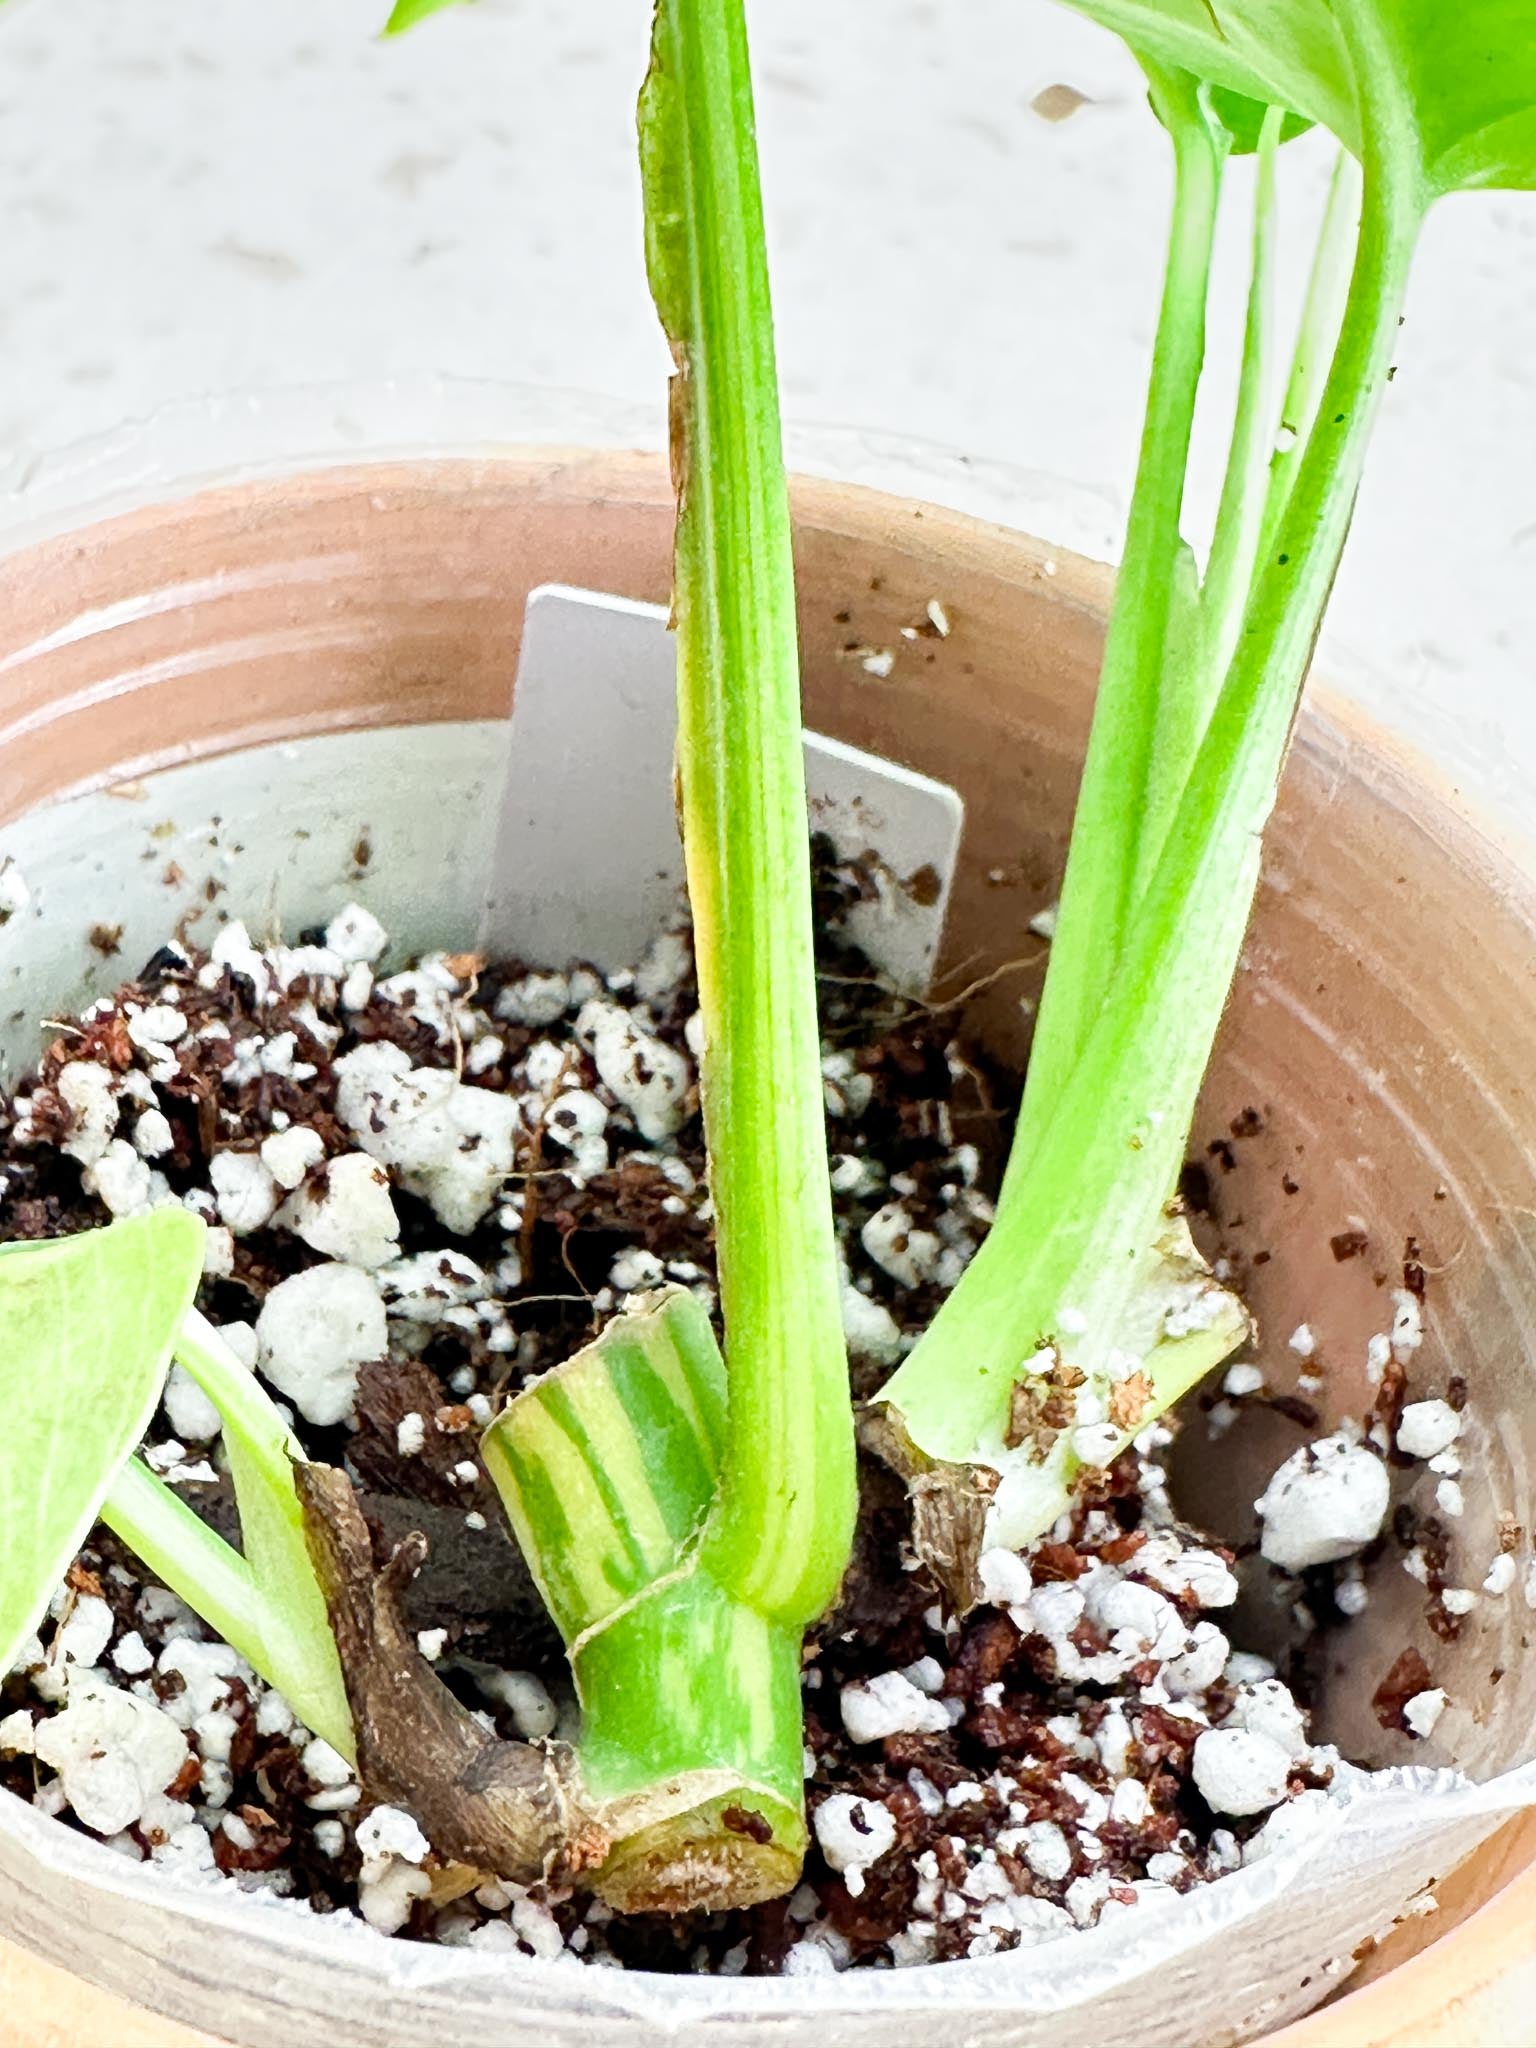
(1405, 775)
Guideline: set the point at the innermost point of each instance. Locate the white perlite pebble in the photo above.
(1501, 1574)
(314, 1331)
(347, 1213)
(241, 1339)
(1325, 1502)
(192, 1415)
(152, 1135)
(1201, 1574)
(636, 1271)
(121, 1178)
(526, 1699)
(927, 1674)
(16, 1734)
(1267, 1708)
(160, 1024)
(454, 1146)
(397, 1112)
(537, 999)
(644, 1074)
(355, 934)
(1150, 1619)
(218, 1252)
(87, 1093)
(1005, 1579)
(1450, 1499)
(325, 1766)
(133, 1656)
(288, 1155)
(247, 1193)
(1200, 1664)
(889, 1704)
(388, 1831)
(385, 1894)
(482, 1152)
(1243, 1379)
(1425, 1428)
(1423, 1711)
(411, 1435)
(206, 1671)
(909, 1254)
(1302, 1341)
(1047, 1851)
(422, 1288)
(577, 1120)
(870, 1330)
(854, 1833)
(85, 1632)
(114, 1753)
(1239, 1772)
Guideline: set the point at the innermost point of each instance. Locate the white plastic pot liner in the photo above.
(1228, 1961)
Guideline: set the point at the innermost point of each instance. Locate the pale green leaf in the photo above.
(87, 1326)
(1243, 119)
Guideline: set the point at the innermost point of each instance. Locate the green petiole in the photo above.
(1107, 1114)
(695, 1680)
(91, 1325)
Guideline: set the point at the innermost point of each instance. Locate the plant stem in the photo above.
(782, 1525)
(297, 1649)
(1240, 509)
(1121, 771)
(690, 1698)
(1322, 309)
(192, 1559)
(1101, 1168)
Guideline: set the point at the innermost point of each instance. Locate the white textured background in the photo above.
(201, 195)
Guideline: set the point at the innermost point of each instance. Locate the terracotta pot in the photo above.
(1394, 1094)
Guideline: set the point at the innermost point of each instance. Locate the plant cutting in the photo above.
(686, 1518)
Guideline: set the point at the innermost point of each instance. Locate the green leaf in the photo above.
(782, 1527)
(87, 1326)
(407, 13)
(1467, 75)
(1243, 119)
(1456, 82)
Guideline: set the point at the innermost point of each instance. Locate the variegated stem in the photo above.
(691, 1739)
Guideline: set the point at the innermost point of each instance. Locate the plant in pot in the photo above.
(687, 1517)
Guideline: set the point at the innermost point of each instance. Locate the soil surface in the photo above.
(1085, 1742)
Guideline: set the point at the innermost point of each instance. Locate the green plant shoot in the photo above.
(90, 1326)
(708, 1637)
(1194, 715)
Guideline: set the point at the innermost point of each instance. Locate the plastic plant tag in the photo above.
(588, 863)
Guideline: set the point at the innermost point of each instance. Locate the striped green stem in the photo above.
(691, 1729)
(782, 1527)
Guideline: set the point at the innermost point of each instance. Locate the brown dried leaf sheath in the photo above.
(949, 1505)
(511, 1809)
